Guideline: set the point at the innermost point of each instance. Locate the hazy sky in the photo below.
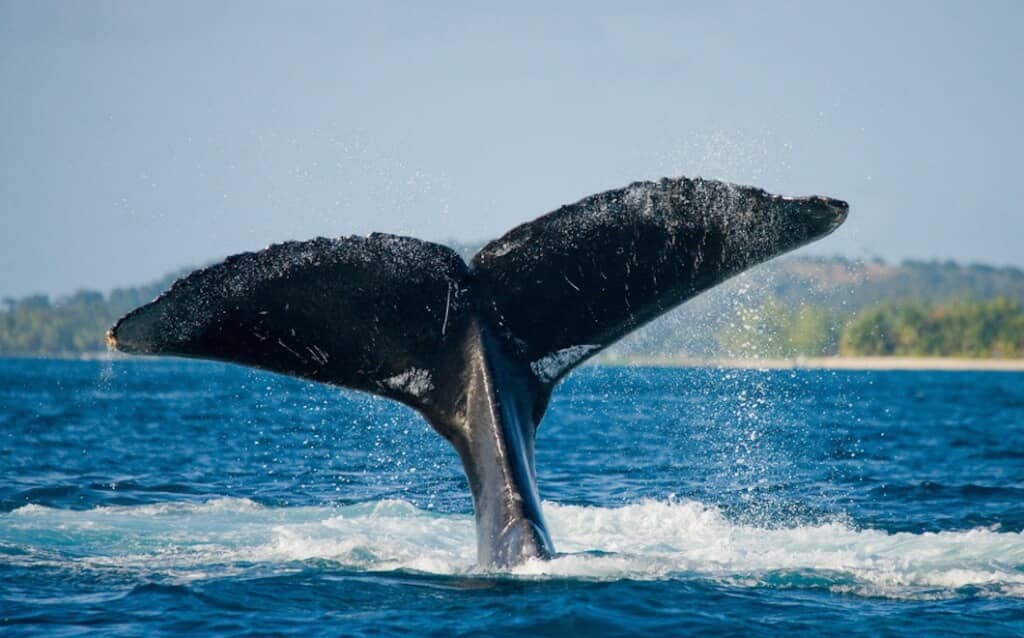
(140, 137)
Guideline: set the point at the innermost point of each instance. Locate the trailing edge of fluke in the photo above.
(477, 348)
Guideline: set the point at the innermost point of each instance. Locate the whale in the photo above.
(477, 348)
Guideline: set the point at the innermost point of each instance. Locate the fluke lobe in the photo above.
(478, 348)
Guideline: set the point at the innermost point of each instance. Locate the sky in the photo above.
(137, 138)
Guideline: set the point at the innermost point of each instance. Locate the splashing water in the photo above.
(182, 497)
(651, 540)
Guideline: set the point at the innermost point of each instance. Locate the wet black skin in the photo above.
(489, 411)
(477, 349)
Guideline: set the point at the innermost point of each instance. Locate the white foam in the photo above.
(687, 537)
(650, 540)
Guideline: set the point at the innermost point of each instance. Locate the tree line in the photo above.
(975, 329)
(36, 326)
(986, 320)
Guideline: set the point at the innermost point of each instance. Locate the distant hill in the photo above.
(784, 308)
(771, 309)
(841, 283)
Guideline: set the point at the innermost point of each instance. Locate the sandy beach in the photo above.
(828, 363)
(750, 363)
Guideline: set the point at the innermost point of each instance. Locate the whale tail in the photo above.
(477, 348)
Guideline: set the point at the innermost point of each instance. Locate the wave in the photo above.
(649, 540)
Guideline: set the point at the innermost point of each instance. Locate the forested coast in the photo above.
(798, 307)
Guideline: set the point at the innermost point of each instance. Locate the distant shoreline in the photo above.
(749, 363)
(826, 363)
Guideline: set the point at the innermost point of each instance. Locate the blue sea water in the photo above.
(140, 497)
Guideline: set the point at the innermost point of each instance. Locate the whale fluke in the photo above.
(478, 348)
(369, 313)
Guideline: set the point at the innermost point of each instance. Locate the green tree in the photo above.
(993, 328)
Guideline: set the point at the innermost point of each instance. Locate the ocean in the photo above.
(148, 497)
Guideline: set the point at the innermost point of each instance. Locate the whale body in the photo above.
(478, 348)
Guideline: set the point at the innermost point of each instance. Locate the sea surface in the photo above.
(146, 497)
